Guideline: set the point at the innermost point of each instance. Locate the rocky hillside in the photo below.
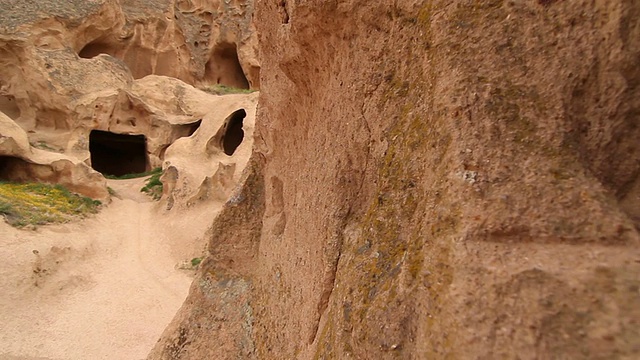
(432, 179)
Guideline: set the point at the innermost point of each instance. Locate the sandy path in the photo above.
(103, 288)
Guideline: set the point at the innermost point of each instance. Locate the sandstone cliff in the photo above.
(431, 179)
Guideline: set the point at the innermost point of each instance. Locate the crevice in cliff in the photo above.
(192, 128)
(117, 154)
(284, 13)
(335, 252)
(329, 280)
(224, 67)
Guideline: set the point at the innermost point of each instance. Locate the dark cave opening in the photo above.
(5, 166)
(136, 59)
(15, 169)
(193, 127)
(224, 67)
(233, 134)
(96, 48)
(117, 154)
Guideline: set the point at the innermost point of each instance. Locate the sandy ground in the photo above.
(99, 288)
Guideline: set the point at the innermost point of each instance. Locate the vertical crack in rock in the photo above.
(284, 13)
(335, 245)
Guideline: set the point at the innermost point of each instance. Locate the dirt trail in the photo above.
(100, 288)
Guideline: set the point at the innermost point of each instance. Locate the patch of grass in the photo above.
(220, 89)
(153, 186)
(155, 171)
(39, 204)
(196, 261)
(5, 208)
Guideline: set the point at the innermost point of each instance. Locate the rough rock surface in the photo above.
(431, 179)
(186, 39)
(19, 161)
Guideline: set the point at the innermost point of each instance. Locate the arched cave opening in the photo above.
(233, 132)
(96, 48)
(224, 67)
(15, 169)
(118, 154)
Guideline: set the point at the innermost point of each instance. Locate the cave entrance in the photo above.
(96, 48)
(136, 58)
(224, 67)
(118, 154)
(6, 163)
(233, 132)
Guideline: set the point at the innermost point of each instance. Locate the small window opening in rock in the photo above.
(194, 127)
(96, 48)
(233, 133)
(117, 154)
(224, 67)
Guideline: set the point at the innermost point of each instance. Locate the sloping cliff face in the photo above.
(431, 179)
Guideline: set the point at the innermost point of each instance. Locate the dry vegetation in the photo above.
(220, 89)
(39, 204)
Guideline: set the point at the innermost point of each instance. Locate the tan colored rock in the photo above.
(73, 68)
(208, 164)
(431, 179)
(173, 38)
(13, 140)
(21, 162)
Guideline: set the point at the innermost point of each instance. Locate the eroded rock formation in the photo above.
(109, 82)
(209, 164)
(21, 162)
(431, 179)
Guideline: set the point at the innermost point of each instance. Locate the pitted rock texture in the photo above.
(440, 179)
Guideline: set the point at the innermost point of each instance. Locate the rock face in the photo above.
(21, 162)
(431, 179)
(205, 167)
(109, 82)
